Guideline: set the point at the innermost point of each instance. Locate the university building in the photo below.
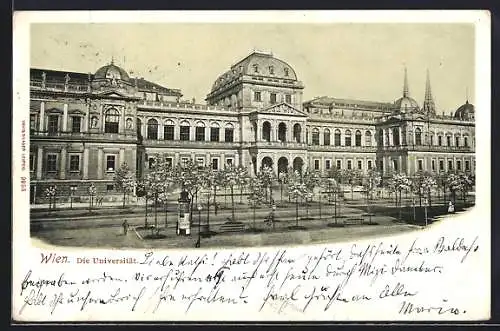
(84, 125)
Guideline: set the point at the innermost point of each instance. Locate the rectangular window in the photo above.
(448, 140)
(369, 164)
(420, 165)
(200, 133)
(288, 98)
(440, 141)
(215, 164)
(358, 140)
(33, 122)
(32, 162)
(51, 162)
(184, 133)
(214, 134)
(229, 135)
(169, 162)
(315, 138)
(327, 164)
(110, 162)
(337, 139)
(257, 96)
(360, 165)
(432, 140)
(76, 122)
(467, 165)
(229, 162)
(316, 164)
(184, 161)
(151, 162)
(53, 124)
(110, 187)
(273, 98)
(433, 165)
(200, 161)
(459, 165)
(466, 142)
(349, 164)
(168, 132)
(450, 165)
(339, 164)
(457, 141)
(441, 165)
(74, 163)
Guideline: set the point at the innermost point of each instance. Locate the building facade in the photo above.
(84, 126)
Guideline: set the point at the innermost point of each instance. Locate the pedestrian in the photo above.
(125, 226)
(451, 207)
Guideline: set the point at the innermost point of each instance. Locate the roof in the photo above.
(326, 100)
(83, 78)
(257, 64)
(465, 111)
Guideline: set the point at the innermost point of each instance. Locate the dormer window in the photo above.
(271, 70)
(255, 68)
(286, 72)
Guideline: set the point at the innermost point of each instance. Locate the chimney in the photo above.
(194, 101)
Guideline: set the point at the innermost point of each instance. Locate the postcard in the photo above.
(251, 166)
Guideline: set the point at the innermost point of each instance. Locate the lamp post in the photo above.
(198, 243)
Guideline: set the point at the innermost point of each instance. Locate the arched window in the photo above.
(184, 130)
(111, 121)
(368, 138)
(358, 138)
(380, 137)
(395, 136)
(229, 133)
(169, 130)
(297, 131)
(418, 136)
(466, 141)
(326, 137)
(336, 137)
(214, 131)
(457, 140)
(282, 132)
(448, 140)
(347, 138)
(266, 131)
(200, 131)
(152, 129)
(440, 140)
(315, 136)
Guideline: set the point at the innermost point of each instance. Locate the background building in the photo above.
(83, 126)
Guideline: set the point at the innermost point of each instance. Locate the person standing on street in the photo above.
(125, 226)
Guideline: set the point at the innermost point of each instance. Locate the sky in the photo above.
(359, 61)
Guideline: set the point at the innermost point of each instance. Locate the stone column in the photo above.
(160, 131)
(41, 123)
(101, 117)
(207, 159)
(391, 138)
(39, 162)
(100, 155)
(400, 136)
(259, 131)
(144, 128)
(222, 161)
(62, 166)
(86, 163)
(65, 118)
(237, 159)
(121, 158)
(176, 159)
(86, 119)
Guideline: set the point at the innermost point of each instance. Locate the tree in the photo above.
(255, 195)
(297, 190)
(241, 179)
(154, 184)
(191, 178)
(311, 180)
(424, 184)
(124, 181)
(454, 184)
(218, 180)
(370, 183)
(266, 177)
(351, 177)
(400, 183)
(51, 192)
(467, 184)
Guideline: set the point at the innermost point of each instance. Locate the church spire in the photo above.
(429, 107)
(406, 91)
